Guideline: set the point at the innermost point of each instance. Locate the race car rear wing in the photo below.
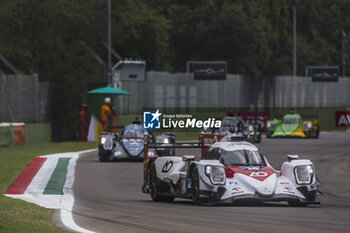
(148, 144)
(205, 141)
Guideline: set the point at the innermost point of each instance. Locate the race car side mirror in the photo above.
(292, 157)
(188, 158)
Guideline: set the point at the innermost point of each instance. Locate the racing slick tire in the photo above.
(257, 138)
(154, 189)
(195, 186)
(105, 157)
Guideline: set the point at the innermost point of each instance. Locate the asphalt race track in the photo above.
(109, 198)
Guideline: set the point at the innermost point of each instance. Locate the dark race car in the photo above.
(233, 124)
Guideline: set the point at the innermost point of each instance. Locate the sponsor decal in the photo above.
(237, 190)
(233, 183)
(288, 190)
(342, 118)
(258, 174)
(167, 166)
(284, 182)
(252, 168)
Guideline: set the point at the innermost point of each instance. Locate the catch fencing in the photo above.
(181, 91)
(166, 90)
(23, 99)
(301, 92)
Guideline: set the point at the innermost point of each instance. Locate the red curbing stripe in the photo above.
(23, 181)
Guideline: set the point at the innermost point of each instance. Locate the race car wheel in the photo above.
(195, 185)
(154, 189)
(257, 138)
(105, 158)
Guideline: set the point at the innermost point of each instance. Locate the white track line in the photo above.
(68, 198)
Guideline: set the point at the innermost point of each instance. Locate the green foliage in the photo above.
(253, 36)
(320, 25)
(145, 35)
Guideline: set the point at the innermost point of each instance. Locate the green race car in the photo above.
(292, 126)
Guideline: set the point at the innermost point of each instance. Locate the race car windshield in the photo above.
(291, 121)
(133, 133)
(241, 158)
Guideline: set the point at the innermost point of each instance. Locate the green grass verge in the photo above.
(18, 215)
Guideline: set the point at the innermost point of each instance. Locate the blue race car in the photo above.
(129, 145)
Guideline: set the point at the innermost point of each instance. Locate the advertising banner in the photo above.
(208, 70)
(342, 118)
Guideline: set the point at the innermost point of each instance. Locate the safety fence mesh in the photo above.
(180, 90)
(23, 99)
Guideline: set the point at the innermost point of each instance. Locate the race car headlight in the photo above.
(107, 143)
(166, 140)
(303, 174)
(250, 128)
(309, 125)
(216, 174)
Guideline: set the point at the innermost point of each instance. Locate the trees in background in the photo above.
(253, 36)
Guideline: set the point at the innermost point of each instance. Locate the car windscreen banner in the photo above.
(342, 118)
(253, 117)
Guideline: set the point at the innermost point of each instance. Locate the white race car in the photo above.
(228, 172)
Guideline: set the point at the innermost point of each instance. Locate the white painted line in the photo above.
(68, 198)
(68, 221)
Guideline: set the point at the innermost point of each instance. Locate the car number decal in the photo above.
(258, 174)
